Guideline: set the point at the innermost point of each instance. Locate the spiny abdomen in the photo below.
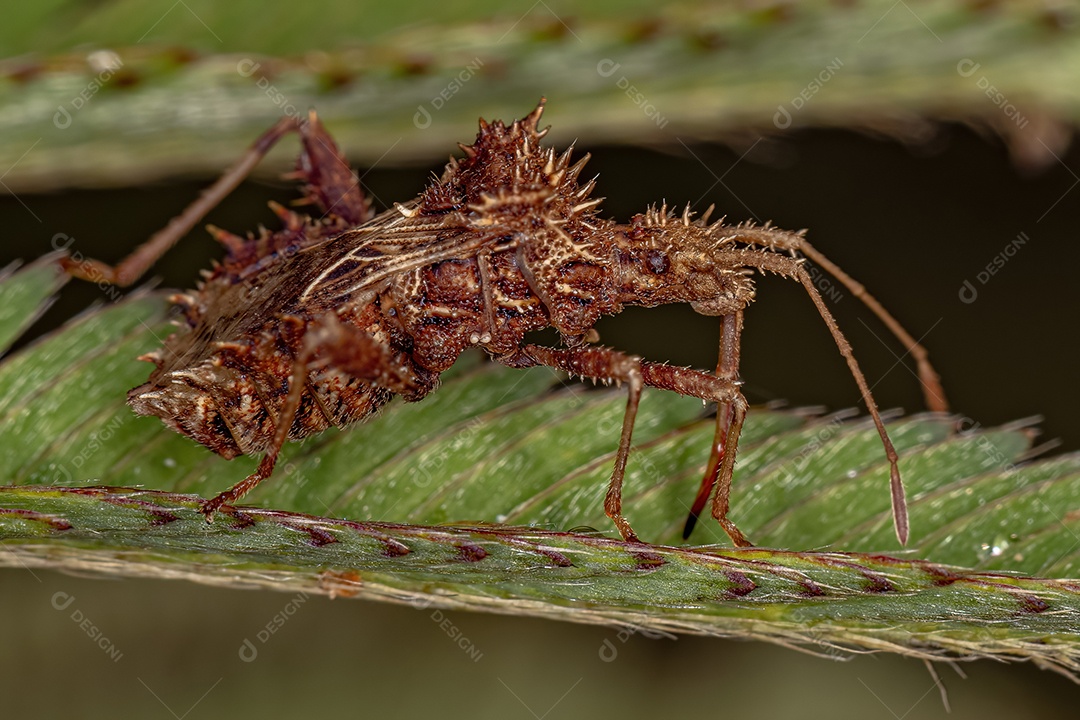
(230, 402)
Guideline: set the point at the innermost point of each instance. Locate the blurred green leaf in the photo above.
(122, 91)
(24, 296)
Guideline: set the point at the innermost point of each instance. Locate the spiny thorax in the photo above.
(510, 187)
(507, 174)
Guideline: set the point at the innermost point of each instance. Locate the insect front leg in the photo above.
(727, 370)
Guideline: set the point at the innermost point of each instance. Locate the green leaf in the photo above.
(482, 496)
(24, 297)
(96, 96)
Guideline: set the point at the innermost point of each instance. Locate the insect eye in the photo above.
(657, 262)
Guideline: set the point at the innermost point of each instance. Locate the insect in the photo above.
(322, 322)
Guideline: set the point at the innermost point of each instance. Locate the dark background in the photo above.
(911, 223)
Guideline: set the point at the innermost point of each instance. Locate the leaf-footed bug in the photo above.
(320, 323)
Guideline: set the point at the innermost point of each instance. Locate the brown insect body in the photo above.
(321, 323)
(423, 281)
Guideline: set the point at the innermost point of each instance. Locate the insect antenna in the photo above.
(931, 382)
(899, 502)
(765, 259)
(776, 239)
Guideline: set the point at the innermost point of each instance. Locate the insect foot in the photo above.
(322, 322)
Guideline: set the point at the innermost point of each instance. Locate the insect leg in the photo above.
(793, 268)
(348, 349)
(135, 265)
(281, 433)
(727, 369)
(725, 392)
(611, 365)
(607, 365)
(899, 502)
(331, 184)
(933, 393)
(733, 423)
(328, 342)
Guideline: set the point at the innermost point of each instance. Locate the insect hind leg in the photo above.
(330, 184)
(135, 265)
(281, 433)
(327, 342)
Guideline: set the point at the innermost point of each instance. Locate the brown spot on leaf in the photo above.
(940, 576)
(708, 40)
(877, 583)
(647, 561)
(158, 515)
(393, 548)
(644, 30)
(53, 522)
(318, 536)
(471, 553)
(741, 585)
(415, 64)
(22, 73)
(1032, 604)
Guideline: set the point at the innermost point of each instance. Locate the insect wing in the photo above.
(390, 247)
